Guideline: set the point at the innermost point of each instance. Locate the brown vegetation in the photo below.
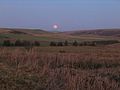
(33, 69)
(100, 32)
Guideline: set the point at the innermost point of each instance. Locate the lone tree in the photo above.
(75, 43)
(52, 43)
(66, 43)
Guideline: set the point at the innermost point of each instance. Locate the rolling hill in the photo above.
(45, 36)
(22, 31)
(99, 32)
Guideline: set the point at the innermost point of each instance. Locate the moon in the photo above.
(55, 26)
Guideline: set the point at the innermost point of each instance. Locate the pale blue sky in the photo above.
(68, 14)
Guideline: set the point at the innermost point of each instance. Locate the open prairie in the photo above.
(58, 67)
(45, 36)
(47, 68)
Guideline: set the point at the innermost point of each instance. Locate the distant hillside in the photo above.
(23, 34)
(100, 32)
(22, 31)
(46, 36)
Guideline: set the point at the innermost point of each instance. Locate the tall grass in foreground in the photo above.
(22, 69)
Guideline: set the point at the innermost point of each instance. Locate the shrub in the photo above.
(106, 42)
(26, 43)
(7, 43)
(52, 43)
(18, 43)
(81, 44)
(62, 51)
(60, 44)
(36, 43)
(75, 43)
(66, 43)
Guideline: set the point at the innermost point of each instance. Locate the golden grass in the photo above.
(94, 68)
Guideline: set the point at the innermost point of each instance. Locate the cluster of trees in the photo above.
(65, 43)
(20, 43)
(85, 43)
(106, 42)
(59, 43)
(75, 43)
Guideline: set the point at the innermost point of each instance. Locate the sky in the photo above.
(66, 14)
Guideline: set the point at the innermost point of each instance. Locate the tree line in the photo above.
(74, 43)
(20, 43)
(84, 43)
(60, 43)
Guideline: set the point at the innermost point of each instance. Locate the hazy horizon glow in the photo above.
(67, 14)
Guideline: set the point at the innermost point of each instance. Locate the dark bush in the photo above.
(36, 43)
(66, 43)
(106, 42)
(75, 43)
(81, 44)
(85, 44)
(60, 44)
(26, 43)
(62, 51)
(7, 43)
(18, 43)
(87, 65)
(52, 43)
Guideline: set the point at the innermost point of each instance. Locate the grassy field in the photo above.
(45, 39)
(60, 68)
(44, 36)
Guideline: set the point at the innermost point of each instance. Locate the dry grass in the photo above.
(94, 68)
